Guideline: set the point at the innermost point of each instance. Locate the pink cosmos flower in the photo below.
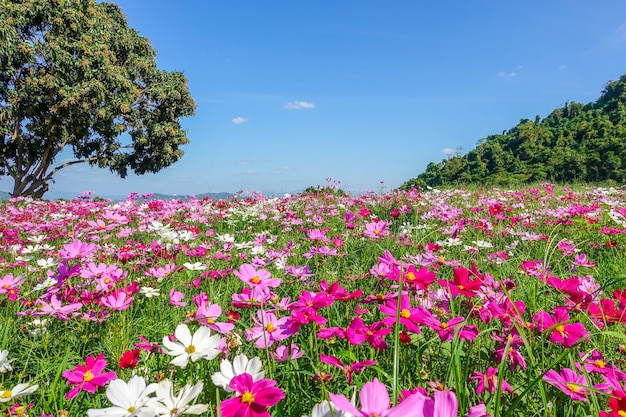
(251, 297)
(9, 282)
(306, 315)
(581, 260)
(561, 332)
(412, 277)
(117, 300)
(594, 362)
(284, 353)
(347, 369)
(252, 398)
(317, 234)
(88, 377)
(489, 381)
(572, 384)
(358, 332)
(446, 329)
(375, 402)
(268, 329)
(253, 277)
(409, 316)
(376, 229)
(55, 309)
(77, 250)
(311, 299)
(207, 315)
(10, 285)
(176, 297)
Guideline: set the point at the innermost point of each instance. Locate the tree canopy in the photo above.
(575, 143)
(74, 76)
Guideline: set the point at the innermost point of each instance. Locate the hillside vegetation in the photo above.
(575, 143)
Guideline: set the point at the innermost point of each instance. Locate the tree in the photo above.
(74, 76)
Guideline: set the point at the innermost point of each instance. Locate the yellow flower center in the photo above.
(380, 296)
(255, 279)
(376, 231)
(270, 327)
(88, 376)
(621, 413)
(442, 259)
(247, 397)
(572, 387)
(210, 320)
(405, 313)
(600, 363)
(190, 349)
(444, 326)
(131, 409)
(460, 287)
(561, 329)
(410, 276)
(6, 394)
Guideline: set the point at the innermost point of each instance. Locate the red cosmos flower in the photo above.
(617, 404)
(461, 284)
(605, 312)
(129, 359)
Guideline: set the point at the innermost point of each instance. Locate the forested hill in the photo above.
(577, 142)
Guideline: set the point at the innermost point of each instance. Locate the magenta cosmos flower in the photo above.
(88, 377)
(568, 381)
(253, 397)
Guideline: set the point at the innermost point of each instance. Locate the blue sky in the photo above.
(290, 93)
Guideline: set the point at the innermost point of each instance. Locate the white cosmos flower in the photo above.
(241, 365)
(150, 292)
(5, 363)
(201, 346)
(225, 238)
(196, 266)
(323, 409)
(46, 263)
(130, 399)
(18, 391)
(168, 405)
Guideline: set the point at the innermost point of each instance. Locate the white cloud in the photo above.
(239, 120)
(507, 74)
(448, 151)
(297, 105)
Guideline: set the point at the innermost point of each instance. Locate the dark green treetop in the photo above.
(74, 76)
(575, 143)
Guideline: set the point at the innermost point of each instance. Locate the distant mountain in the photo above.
(72, 195)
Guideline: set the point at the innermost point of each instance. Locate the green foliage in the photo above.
(74, 75)
(575, 143)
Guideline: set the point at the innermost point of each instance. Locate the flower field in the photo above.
(467, 302)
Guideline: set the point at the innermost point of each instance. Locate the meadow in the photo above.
(468, 302)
